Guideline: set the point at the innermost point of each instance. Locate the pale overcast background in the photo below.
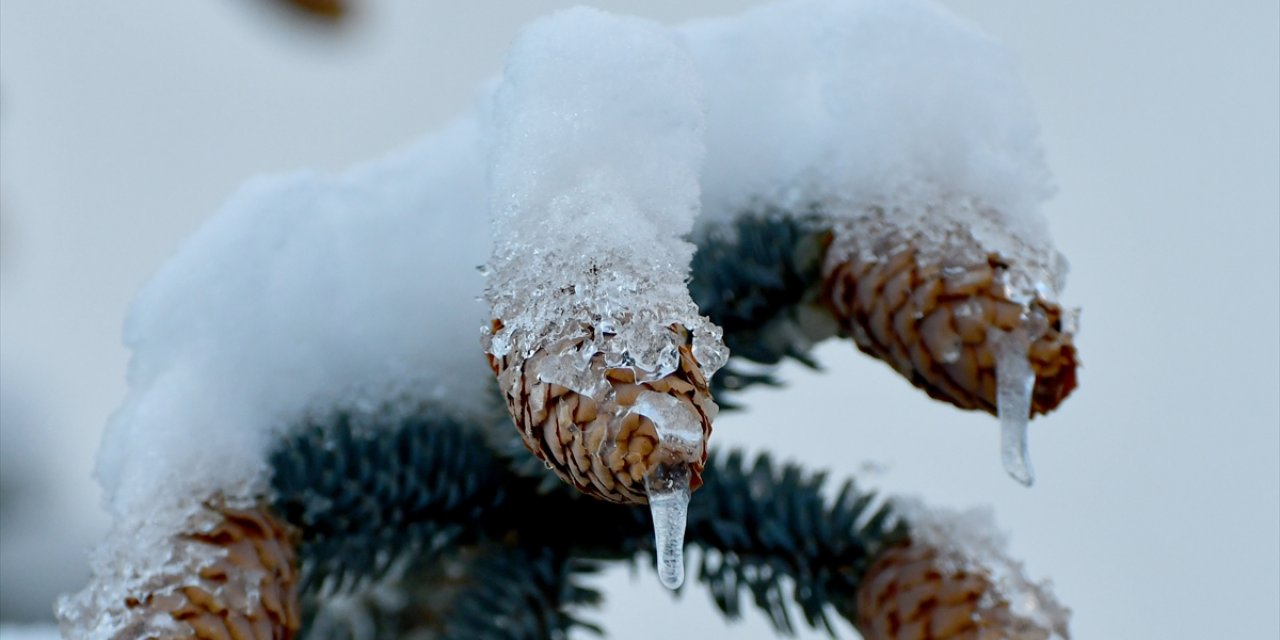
(1157, 507)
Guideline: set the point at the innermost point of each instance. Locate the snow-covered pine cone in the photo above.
(916, 592)
(930, 309)
(606, 444)
(249, 592)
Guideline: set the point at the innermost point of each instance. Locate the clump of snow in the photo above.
(869, 100)
(306, 293)
(875, 108)
(598, 129)
(969, 541)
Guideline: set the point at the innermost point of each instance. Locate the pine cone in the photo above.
(913, 592)
(931, 314)
(330, 10)
(604, 444)
(248, 593)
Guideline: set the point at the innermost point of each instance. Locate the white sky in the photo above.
(1157, 506)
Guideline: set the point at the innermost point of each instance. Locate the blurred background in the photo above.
(1157, 506)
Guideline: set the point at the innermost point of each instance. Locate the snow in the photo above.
(605, 139)
(904, 123)
(877, 105)
(969, 541)
(306, 293)
(866, 101)
(598, 128)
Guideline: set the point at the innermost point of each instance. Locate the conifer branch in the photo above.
(759, 277)
(426, 505)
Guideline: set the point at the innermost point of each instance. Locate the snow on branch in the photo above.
(908, 133)
(598, 129)
(305, 294)
(881, 152)
(599, 349)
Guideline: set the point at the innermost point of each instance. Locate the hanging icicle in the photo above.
(969, 318)
(1015, 382)
(668, 487)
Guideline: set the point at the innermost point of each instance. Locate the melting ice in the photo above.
(1014, 384)
(668, 487)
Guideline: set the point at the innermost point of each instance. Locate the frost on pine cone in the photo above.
(959, 300)
(781, 283)
(607, 443)
(952, 578)
(599, 350)
(248, 591)
(935, 308)
(914, 592)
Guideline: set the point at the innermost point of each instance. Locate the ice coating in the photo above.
(668, 485)
(969, 541)
(668, 488)
(598, 129)
(1014, 384)
(303, 294)
(678, 428)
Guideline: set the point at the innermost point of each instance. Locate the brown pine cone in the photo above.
(330, 10)
(248, 593)
(932, 313)
(605, 442)
(916, 592)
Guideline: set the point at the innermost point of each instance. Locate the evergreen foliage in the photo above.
(759, 277)
(429, 530)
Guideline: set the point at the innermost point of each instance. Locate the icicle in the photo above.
(1014, 384)
(668, 487)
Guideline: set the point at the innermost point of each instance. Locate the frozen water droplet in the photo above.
(951, 352)
(968, 309)
(668, 488)
(1071, 321)
(1015, 382)
(679, 429)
